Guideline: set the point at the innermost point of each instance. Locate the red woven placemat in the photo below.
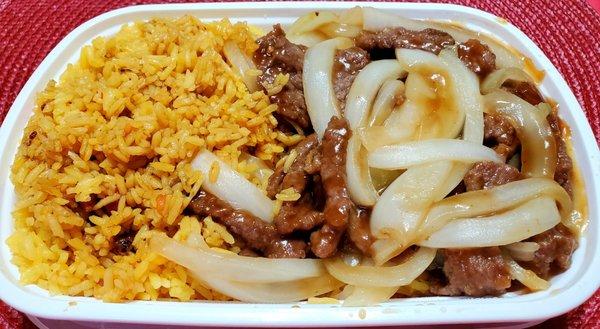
(567, 31)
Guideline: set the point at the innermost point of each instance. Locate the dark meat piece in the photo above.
(298, 216)
(477, 57)
(485, 175)
(122, 243)
(525, 90)
(500, 135)
(348, 63)
(338, 206)
(307, 161)
(275, 55)
(256, 233)
(554, 256)
(474, 272)
(359, 231)
(389, 38)
(564, 164)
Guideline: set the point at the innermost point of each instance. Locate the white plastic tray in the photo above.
(568, 290)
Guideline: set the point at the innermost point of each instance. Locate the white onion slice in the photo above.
(497, 78)
(234, 267)
(529, 219)
(409, 154)
(317, 80)
(524, 251)
(376, 19)
(382, 276)
(538, 147)
(413, 59)
(311, 21)
(232, 187)
(528, 278)
(400, 210)
(391, 91)
(365, 87)
(242, 64)
(307, 39)
(368, 296)
(358, 178)
(335, 29)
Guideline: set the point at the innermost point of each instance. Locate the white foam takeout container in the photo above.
(568, 290)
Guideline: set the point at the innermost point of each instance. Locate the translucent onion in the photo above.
(391, 91)
(368, 296)
(401, 208)
(307, 39)
(529, 219)
(318, 82)
(413, 59)
(410, 154)
(381, 276)
(364, 89)
(528, 278)
(538, 149)
(358, 177)
(232, 187)
(230, 266)
(376, 19)
(523, 251)
(496, 199)
(263, 172)
(352, 16)
(242, 64)
(496, 79)
(335, 29)
(311, 21)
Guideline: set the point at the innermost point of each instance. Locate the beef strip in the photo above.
(554, 255)
(390, 38)
(339, 208)
(478, 271)
(525, 90)
(564, 164)
(298, 216)
(474, 272)
(275, 55)
(256, 233)
(359, 231)
(485, 175)
(348, 63)
(500, 135)
(477, 57)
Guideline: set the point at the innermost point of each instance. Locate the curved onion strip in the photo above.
(497, 78)
(263, 172)
(358, 178)
(318, 82)
(307, 39)
(234, 267)
(352, 16)
(529, 219)
(311, 21)
(524, 251)
(375, 19)
(368, 296)
(496, 199)
(400, 210)
(232, 187)
(401, 126)
(381, 276)
(409, 154)
(412, 59)
(528, 278)
(391, 91)
(275, 292)
(538, 149)
(465, 87)
(365, 87)
(242, 64)
(335, 29)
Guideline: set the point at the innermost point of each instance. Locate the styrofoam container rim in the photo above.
(568, 290)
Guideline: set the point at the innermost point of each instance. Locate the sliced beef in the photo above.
(301, 215)
(564, 164)
(554, 255)
(256, 233)
(500, 135)
(359, 231)
(525, 90)
(474, 272)
(477, 56)
(277, 55)
(348, 63)
(431, 40)
(485, 175)
(339, 208)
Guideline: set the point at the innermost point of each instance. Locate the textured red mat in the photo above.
(568, 32)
